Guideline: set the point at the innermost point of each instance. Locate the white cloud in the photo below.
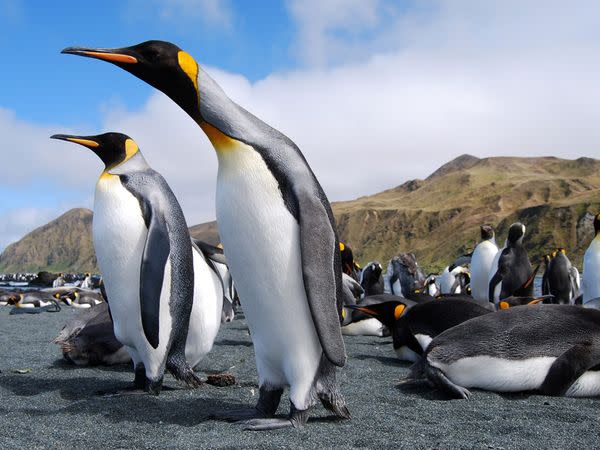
(502, 78)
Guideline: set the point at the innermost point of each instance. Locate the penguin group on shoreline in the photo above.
(478, 324)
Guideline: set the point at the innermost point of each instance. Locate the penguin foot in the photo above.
(297, 419)
(266, 424)
(439, 379)
(336, 405)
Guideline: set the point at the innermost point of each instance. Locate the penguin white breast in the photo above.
(367, 327)
(424, 340)
(497, 374)
(446, 280)
(591, 271)
(205, 318)
(119, 240)
(262, 244)
(481, 265)
(406, 354)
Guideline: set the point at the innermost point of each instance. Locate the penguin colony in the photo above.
(476, 325)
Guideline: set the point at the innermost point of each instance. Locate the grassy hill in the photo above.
(62, 245)
(437, 218)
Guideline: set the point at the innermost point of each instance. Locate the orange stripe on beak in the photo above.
(112, 57)
(86, 142)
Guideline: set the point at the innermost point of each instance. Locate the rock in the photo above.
(221, 379)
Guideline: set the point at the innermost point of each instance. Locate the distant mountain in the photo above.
(437, 218)
(62, 245)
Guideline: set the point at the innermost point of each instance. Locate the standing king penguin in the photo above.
(481, 263)
(145, 254)
(591, 266)
(274, 218)
(514, 272)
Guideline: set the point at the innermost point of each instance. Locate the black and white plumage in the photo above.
(154, 281)
(404, 275)
(514, 271)
(274, 217)
(551, 348)
(371, 279)
(561, 278)
(413, 326)
(591, 266)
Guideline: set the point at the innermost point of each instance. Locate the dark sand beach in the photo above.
(55, 405)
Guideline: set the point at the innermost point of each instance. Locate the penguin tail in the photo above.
(181, 370)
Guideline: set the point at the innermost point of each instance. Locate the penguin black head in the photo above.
(487, 232)
(112, 148)
(597, 224)
(160, 64)
(387, 312)
(374, 269)
(516, 233)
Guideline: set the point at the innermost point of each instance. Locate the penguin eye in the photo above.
(152, 54)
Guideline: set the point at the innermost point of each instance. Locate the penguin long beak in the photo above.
(114, 55)
(363, 309)
(81, 140)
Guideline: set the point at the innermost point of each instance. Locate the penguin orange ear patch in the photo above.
(342, 246)
(189, 66)
(504, 305)
(399, 310)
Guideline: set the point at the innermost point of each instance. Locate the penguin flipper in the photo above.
(569, 366)
(318, 243)
(497, 278)
(156, 253)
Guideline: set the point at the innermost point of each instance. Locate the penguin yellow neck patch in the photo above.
(398, 310)
(131, 149)
(189, 66)
(219, 140)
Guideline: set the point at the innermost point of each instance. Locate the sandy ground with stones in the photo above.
(56, 405)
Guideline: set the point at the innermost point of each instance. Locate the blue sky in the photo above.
(254, 41)
(374, 92)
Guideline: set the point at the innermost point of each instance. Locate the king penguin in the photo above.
(414, 326)
(551, 348)
(591, 266)
(274, 217)
(514, 269)
(562, 278)
(145, 254)
(481, 263)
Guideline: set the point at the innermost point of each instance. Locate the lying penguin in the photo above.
(554, 349)
(89, 339)
(358, 323)
(82, 299)
(33, 299)
(414, 327)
